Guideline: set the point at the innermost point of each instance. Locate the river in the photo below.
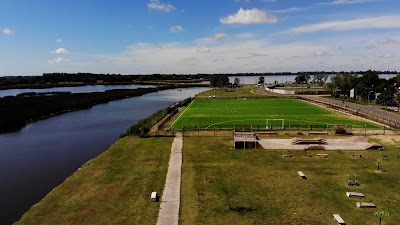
(42, 155)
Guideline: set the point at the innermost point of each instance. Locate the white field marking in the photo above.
(181, 114)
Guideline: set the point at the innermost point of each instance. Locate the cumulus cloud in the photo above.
(57, 60)
(385, 41)
(60, 51)
(249, 16)
(159, 6)
(7, 31)
(175, 29)
(381, 22)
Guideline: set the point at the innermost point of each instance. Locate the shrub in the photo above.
(340, 130)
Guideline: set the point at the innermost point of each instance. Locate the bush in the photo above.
(340, 130)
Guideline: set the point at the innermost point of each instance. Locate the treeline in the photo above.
(142, 127)
(68, 79)
(17, 111)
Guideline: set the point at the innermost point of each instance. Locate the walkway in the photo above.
(372, 109)
(169, 208)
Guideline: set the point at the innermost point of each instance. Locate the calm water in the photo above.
(39, 157)
(79, 89)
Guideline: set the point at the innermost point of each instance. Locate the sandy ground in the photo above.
(352, 143)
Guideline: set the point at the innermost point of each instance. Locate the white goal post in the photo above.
(268, 123)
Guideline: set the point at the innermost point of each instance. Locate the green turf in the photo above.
(238, 112)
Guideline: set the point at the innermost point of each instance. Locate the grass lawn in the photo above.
(244, 91)
(207, 113)
(264, 188)
(114, 188)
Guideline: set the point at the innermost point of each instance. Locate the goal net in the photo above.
(275, 123)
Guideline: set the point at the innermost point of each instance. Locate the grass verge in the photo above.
(221, 185)
(113, 188)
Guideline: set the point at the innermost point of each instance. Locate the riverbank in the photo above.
(17, 111)
(113, 188)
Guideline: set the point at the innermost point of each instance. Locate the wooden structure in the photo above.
(245, 139)
(302, 174)
(322, 155)
(339, 219)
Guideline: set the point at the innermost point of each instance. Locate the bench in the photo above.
(153, 197)
(267, 132)
(302, 175)
(284, 155)
(357, 155)
(322, 155)
(354, 195)
(339, 219)
(365, 205)
(318, 132)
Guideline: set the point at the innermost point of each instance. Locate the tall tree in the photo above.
(261, 80)
(302, 78)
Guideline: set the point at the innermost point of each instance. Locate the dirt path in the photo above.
(169, 208)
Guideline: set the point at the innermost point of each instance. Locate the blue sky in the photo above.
(208, 36)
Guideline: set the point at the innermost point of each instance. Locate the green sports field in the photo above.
(226, 113)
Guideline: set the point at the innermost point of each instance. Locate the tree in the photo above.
(219, 80)
(302, 78)
(261, 80)
(237, 82)
(320, 78)
(397, 98)
(381, 215)
(345, 82)
(378, 163)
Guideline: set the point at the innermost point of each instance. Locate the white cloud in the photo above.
(385, 41)
(214, 37)
(245, 35)
(203, 50)
(159, 6)
(292, 9)
(59, 40)
(60, 51)
(321, 53)
(387, 56)
(7, 31)
(381, 22)
(175, 29)
(342, 2)
(249, 16)
(57, 60)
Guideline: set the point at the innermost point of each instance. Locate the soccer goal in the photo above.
(278, 123)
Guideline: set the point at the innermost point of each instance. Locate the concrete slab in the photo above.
(169, 208)
(352, 143)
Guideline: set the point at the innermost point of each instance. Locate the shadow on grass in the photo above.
(241, 209)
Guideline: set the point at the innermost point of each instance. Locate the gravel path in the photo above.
(169, 208)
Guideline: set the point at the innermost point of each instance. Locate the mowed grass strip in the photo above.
(262, 187)
(113, 188)
(230, 112)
